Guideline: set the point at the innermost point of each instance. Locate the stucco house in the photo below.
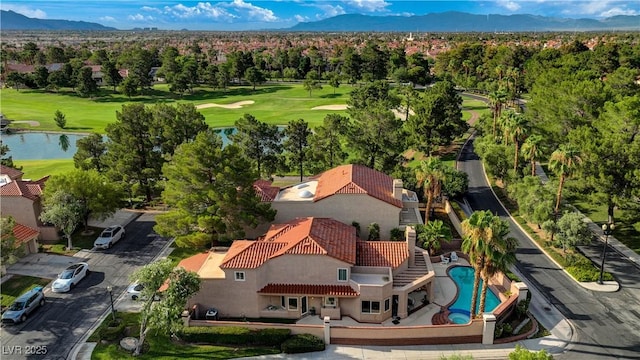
(313, 266)
(22, 199)
(347, 193)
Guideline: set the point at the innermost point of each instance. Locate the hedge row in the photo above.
(234, 336)
(302, 343)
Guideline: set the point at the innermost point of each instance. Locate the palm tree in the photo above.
(531, 150)
(564, 162)
(477, 231)
(497, 99)
(430, 175)
(518, 127)
(432, 234)
(500, 254)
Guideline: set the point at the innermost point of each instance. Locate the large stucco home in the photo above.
(347, 193)
(313, 266)
(22, 199)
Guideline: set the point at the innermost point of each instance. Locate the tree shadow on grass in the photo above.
(330, 96)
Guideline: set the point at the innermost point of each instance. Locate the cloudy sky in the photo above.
(258, 14)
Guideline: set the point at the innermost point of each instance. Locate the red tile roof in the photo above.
(29, 189)
(306, 289)
(24, 233)
(303, 236)
(382, 253)
(356, 179)
(194, 263)
(10, 172)
(265, 191)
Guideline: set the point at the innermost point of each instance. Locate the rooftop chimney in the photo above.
(410, 236)
(397, 189)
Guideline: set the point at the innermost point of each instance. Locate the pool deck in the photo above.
(445, 291)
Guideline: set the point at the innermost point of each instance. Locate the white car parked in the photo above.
(109, 236)
(70, 277)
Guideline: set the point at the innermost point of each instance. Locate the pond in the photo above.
(42, 146)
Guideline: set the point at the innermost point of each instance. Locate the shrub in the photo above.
(302, 343)
(110, 333)
(233, 335)
(507, 328)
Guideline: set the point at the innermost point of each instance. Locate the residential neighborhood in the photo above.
(311, 194)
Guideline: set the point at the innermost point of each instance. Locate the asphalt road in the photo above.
(53, 330)
(606, 325)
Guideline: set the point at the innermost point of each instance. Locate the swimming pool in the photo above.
(460, 309)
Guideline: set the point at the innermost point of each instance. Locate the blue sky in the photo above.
(257, 14)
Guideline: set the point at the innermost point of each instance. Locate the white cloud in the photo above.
(25, 10)
(200, 9)
(618, 11)
(508, 4)
(107, 18)
(151, 9)
(329, 10)
(140, 17)
(369, 5)
(253, 12)
(300, 18)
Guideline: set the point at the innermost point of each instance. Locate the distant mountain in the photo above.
(463, 22)
(10, 20)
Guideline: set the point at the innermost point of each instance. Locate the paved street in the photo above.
(606, 325)
(66, 317)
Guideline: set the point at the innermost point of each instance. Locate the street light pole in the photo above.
(607, 229)
(113, 311)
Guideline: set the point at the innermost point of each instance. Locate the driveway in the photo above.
(43, 265)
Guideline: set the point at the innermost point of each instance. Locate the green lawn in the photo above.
(161, 347)
(274, 104)
(36, 169)
(18, 285)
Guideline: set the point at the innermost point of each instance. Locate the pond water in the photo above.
(39, 146)
(463, 277)
(42, 146)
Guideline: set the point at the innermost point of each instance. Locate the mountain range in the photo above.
(464, 22)
(10, 20)
(435, 22)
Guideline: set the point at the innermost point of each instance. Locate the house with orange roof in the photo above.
(313, 266)
(348, 193)
(22, 199)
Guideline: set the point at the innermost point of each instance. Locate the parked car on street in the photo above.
(135, 291)
(23, 306)
(109, 236)
(70, 277)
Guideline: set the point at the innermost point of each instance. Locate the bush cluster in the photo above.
(112, 333)
(302, 343)
(234, 335)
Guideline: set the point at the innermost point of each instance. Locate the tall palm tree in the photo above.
(499, 256)
(518, 129)
(531, 150)
(497, 99)
(430, 175)
(564, 162)
(477, 231)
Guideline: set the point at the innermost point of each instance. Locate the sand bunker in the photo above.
(236, 105)
(330, 107)
(30, 122)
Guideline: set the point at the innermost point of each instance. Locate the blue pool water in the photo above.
(463, 277)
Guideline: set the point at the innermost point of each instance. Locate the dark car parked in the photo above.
(23, 306)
